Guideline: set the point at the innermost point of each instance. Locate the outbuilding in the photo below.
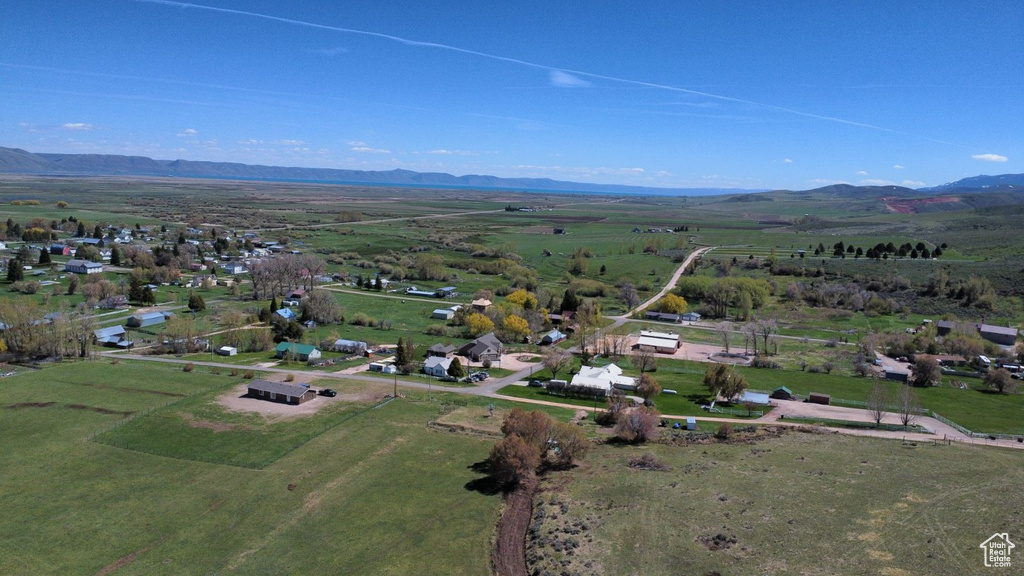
(150, 319)
(691, 423)
(443, 314)
(819, 398)
(227, 351)
(782, 393)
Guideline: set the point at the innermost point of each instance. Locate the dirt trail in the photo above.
(509, 554)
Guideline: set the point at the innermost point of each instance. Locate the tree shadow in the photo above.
(487, 484)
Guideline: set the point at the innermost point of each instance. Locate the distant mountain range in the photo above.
(15, 160)
(1003, 182)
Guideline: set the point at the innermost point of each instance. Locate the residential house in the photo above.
(349, 346)
(77, 266)
(553, 337)
(660, 342)
(287, 313)
(437, 366)
(301, 352)
(283, 392)
(486, 347)
(691, 317)
(235, 268)
(113, 302)
(480, 304)
(150, 319)
(441, 351)
(602, 380)
(382, 367)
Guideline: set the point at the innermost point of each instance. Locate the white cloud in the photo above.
(876, 182)
(250, 142)
(787, 161)
(897, 167)
(636, 170)
(370, 150)
(862, 173)
(78, 126)
(663, 173)
(28, 127)
(914, 184)
(566, 80)
(826, 181)
(188, 132)
(290, 142)
(445, 152)
(990, 157)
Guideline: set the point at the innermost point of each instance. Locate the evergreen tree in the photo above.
(455, 369)
(274, 305)
(359, 281)
(97, 233)
(14, 271)
(570, 301)
(378, 285)
(115, 256)
(148, 298)
(196, 302)
(401, 354)
(134, 288)
(80, 233)
(44, 256)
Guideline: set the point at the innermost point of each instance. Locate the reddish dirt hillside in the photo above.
(913, 205)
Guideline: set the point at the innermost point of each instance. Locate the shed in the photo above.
(691, 423)
(896, 375)
(480, 304)
(782, 393)
(443, 314)
(691, 317)
(819, 398)
(663, 317)
(283, 392)
(227, 351)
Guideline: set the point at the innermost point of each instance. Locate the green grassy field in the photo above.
(377, 494)
(797, 504)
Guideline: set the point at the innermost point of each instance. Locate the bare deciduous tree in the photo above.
(644, 360)
(908, 404)
(556, 359)
(724, 330)
(878, 401)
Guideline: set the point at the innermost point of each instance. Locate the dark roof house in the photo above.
(486, 347)
(283, 392)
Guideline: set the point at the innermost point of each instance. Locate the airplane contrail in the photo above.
(526, 63)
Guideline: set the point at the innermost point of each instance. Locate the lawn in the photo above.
(378, 494)
(797, 504)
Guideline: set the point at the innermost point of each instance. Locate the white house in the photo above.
(78, 266)
(603, 379)
(437, 366)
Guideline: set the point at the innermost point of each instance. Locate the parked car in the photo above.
(448, 378)
(534, 383)
(329, 392)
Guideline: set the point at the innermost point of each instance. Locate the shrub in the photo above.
(362, 319)
(189, 367)
(648, 462)
(724, 431)
(234, 371)
(638, 425)
(759, 362)
(289, 378)
(248, 375)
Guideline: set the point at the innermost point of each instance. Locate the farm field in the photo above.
(71, 505)
(796, 504)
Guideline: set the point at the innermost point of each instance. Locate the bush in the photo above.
(189, 367)
(362, 319)
(234, 371)
(249, 375)
(759, 362)
(648, 462)
(289, 378)
(724, 431)
(638, 425)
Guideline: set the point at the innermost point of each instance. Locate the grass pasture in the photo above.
(796, 504)
(378, 494)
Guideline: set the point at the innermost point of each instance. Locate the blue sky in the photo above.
(671, 94)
